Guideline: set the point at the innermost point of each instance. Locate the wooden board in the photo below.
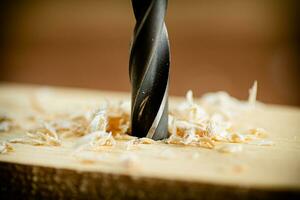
(262, 172)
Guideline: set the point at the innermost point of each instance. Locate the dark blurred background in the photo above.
(215, 45)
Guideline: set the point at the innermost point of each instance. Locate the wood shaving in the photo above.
(74, 127)
(124, 137)
(190, 137)
(237, 138)
(5, 147)
(219, 130)
(44, 135)
(145, 141)
(211, 120)
(119, 118)
(103, 139)
(205, 142)
(259, 132)
(252, 94)
(80, 124)
(96, 140)
(99, 121)
(118, 124)
(131, 144)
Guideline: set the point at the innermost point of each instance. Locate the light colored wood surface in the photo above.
(274, 167)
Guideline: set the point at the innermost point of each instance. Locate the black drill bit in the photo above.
(149, 70)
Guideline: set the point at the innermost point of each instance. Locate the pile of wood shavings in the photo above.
(213, 120)
(204, 123)
(94, 128)
(45, 134)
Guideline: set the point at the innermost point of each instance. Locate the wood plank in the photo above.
(41, 171)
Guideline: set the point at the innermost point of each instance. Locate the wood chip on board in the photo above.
(45, 135)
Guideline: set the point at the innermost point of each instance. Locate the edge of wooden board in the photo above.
(27, 181)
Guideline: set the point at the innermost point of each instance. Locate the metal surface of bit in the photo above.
(149, 70)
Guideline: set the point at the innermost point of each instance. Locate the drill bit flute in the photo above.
(149, 70)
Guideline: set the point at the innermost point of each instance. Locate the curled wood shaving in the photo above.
(134, 143)
(96, 140)
(174, 139)
(191, 140)
(44, 135)
(212, 120)
(99, 121)
(75, 127)
(118, 124)
(205, 142)
(5, 147)
(102, 139)
(119, 118)
(218, 130)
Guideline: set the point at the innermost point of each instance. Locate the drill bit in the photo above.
(149, 70)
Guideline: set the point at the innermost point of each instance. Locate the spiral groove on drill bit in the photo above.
(149, 70)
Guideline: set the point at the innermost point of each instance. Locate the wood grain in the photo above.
(262, 172)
